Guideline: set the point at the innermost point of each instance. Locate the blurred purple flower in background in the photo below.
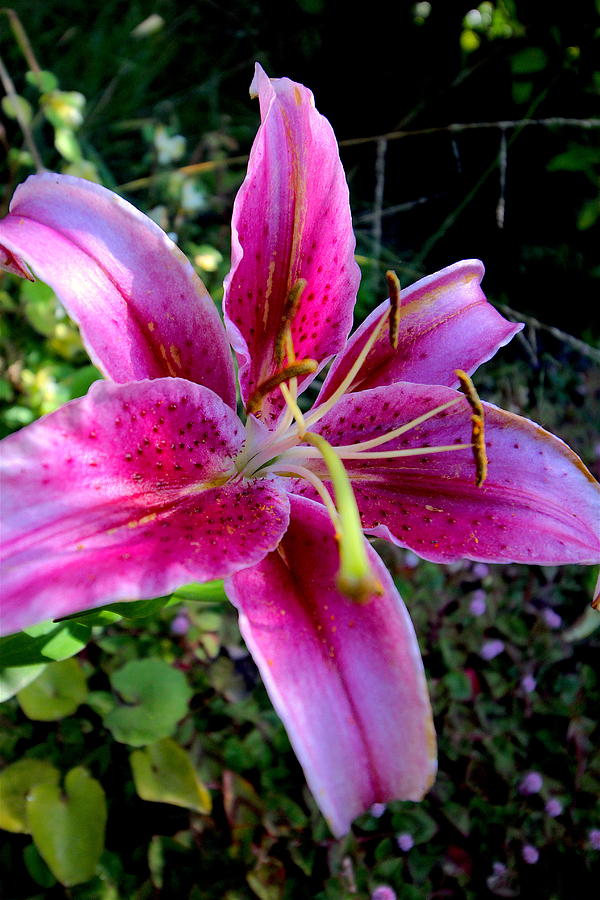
(383, 892)
(478, 604)
(594, 838)
(531, 784)
(553, 808)
(405, 841)
(491, 649)
(180, 624)
(480, 570)
(530, 854)
(528, 684)
(551, 618)
(377, 810)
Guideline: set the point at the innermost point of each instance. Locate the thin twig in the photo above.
(455, 128)
(580, 346)
(12, 95)
(377, 227)
(502, 160)
(23, 42)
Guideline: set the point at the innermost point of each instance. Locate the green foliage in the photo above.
(68, 826)
(163, 773)
(155, 696)
(57, 692)
(121, 104)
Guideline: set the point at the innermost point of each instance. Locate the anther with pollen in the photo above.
(477, 428)
(290, 308)
(393, 284)
(294, 370)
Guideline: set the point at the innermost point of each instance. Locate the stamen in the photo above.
(477, 427)
(290, 307)
(301, 367)
(389, 454)
(285, 468)
(290, 399)
(394, 290)
(322, 410)
(355, 577)
(402, 429)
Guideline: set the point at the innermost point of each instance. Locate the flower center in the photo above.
(292, 449)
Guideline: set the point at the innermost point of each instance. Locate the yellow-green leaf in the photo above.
(68, 827)
(163, 773)
(55, 693)
(16, 782)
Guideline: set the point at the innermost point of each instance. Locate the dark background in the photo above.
(374, 70)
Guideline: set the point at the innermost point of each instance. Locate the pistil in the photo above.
(355, 578)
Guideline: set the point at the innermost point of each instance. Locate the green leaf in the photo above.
(163, 773)
(37, 868)
(209, 592)
(16, 782)
(67, 144)
(15, 678)
(68, 828)
(46, 642)
(17, 106)
(55, 693)
(158, 697)
(584, 626)
(267, 879)
(531, 59)
(459, 685)
(138, 609)
(39, 306)
(44, 81)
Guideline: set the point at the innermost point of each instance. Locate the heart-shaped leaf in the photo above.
(68, 828)
(158, 697)
(163, 773)
(15, 678)
(55, 693)
(16, 782)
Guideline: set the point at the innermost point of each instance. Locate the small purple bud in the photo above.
(377, 810)
(531, 784)
(553, 808)
(530, 854)
(180, 624)
(383, 892)
(491, 649)
(594, 838)
(498, 868)
(411, 560)
(478, 603)
(480, 570)
(552, 619)
(405, 841)
(528, 684)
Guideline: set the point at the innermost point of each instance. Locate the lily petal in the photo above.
(125, 494)
(346, 680)
(143, 311)
(291, 220)
(539, 504)
(446, 323)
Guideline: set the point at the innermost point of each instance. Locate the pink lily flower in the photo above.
(152, 480)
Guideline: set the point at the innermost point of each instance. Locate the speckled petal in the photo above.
(123, 494)
(446, 324)
(539, 504)
(291, 220)
(142, 310)
(346, 679)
